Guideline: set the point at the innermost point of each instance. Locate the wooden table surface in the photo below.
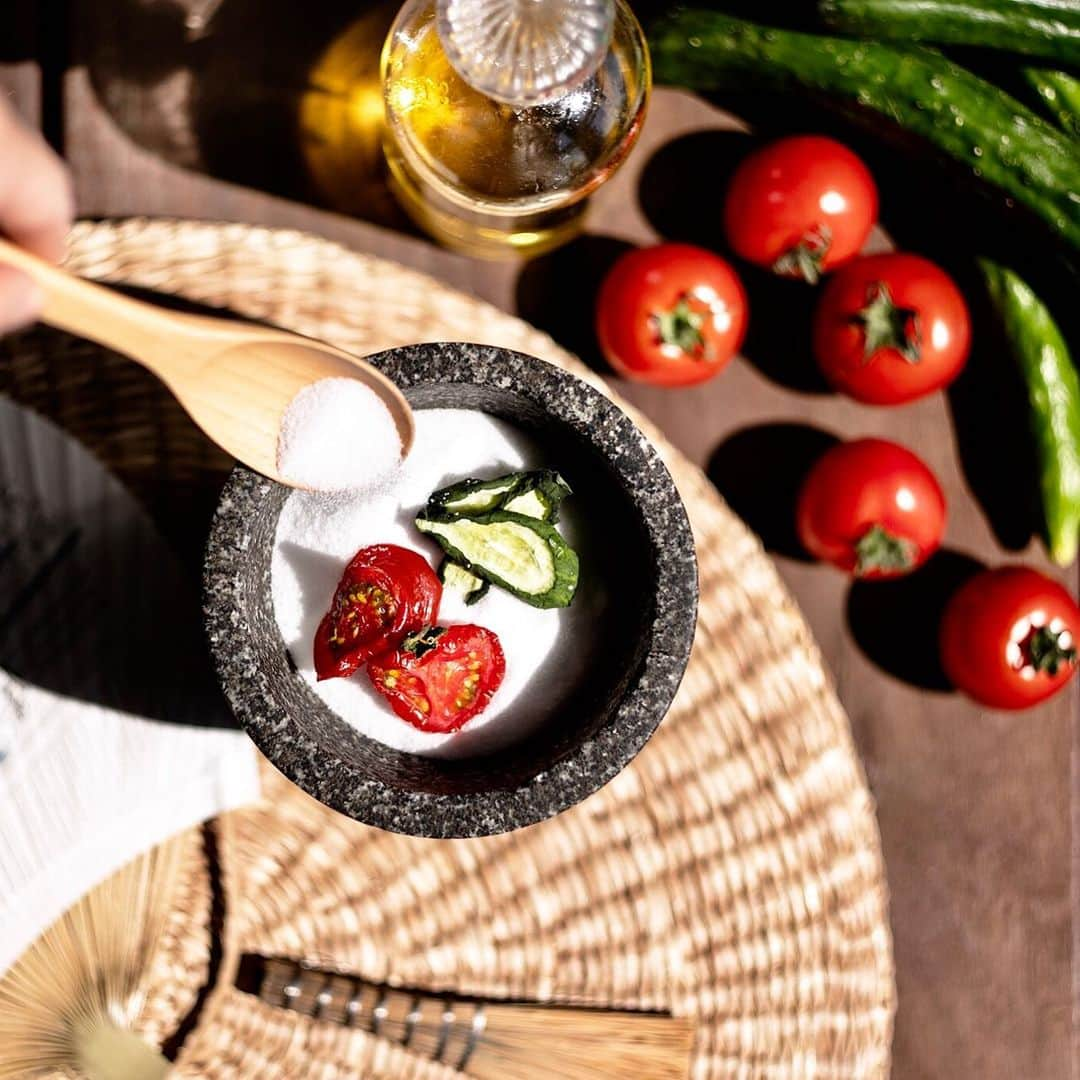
(233, 109)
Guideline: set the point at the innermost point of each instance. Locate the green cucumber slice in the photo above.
(474, 496)
(538, 495)
(531, 504)
(455, 576)
(513, 492)
(522, 555)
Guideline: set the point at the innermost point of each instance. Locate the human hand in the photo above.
(36, 210)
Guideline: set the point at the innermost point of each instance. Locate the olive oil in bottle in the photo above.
(503, 116)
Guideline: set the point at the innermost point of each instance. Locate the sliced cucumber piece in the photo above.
(533, 495)
(456, 577)
(475, 496)
(532, 503)
(538, 495)
(513, 492)
(525, 556)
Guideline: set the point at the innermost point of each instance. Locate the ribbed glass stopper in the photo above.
(525, 52)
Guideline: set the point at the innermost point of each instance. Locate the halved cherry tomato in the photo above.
(1008, 637)
(872, 508)
(672, 315)
(440, 678)
(891, 328)
(385, 593)
(800, 206)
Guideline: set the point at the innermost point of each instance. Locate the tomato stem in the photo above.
(879, 549)
(805, 259)
(681, 327)
(422, 641)
(888, 326)
(1045, 652)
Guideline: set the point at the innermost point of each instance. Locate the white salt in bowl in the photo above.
(636, 551)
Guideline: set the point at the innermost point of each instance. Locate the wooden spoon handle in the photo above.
(91, 311)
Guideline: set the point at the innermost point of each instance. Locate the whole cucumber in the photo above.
(1054, 402)
(993, 134)
(1048, 28)
(1060, 95)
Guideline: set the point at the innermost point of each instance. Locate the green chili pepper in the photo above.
(1054, 397)
(1060, 96)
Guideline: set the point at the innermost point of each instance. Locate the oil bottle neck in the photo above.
(525, 52)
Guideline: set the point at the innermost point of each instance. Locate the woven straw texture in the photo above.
(180, 966)
(732, 873)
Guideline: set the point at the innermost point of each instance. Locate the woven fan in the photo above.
(73, 1000)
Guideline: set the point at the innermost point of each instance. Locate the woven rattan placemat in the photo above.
(732, 873)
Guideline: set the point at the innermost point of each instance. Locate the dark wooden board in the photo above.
(975, 809)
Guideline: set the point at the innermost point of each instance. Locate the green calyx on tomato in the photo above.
(1044, 650)
(423, 641)
(879, 549)
(806, 259)
(670, 315)
(886, 325)
(441, 677)
(1003, 637)
(681, 326)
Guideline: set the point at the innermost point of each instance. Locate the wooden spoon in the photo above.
(234, 379)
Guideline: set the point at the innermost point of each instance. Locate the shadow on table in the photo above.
(895, 623)
(682, 185)
(93, 604)
(19, 39)
(103, 528)
(991, 418)
(557, 293)
(759, 471)
(138, 649)
(280, 96)
(158, 452)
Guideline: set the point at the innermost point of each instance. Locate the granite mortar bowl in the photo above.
(644, 551)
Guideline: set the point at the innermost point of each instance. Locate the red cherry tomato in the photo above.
(891, 328)
(1008, 637)
(672, 315)
(872, 508)
(439, 679)
(385, 593)
(800, 206)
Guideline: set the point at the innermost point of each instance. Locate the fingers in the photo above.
(20, 299)
(36, 209)
(36, 202)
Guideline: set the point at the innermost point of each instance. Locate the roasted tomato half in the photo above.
(440, 678)
(385, 593)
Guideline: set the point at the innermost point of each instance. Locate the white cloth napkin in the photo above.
(84, 789)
